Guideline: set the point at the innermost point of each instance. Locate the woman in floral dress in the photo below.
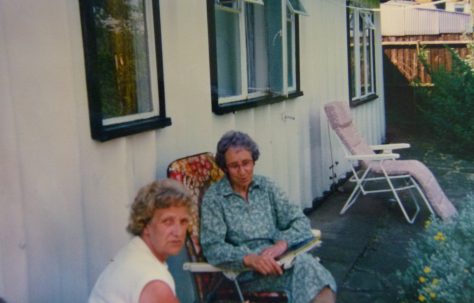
(247, 222)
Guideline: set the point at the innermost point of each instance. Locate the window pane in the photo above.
(368, 51)
(256, 49)
(260, 2)
(361, 53)
(366, 28)
(122, 57)
(296, 7)
(363, 56)
(231, 4)
(273, 22)
(290, 51)
(228, 53)
(352, 59)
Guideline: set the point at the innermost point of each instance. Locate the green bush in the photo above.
(447, 107)
(441, 264)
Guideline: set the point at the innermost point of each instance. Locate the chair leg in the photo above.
(405, 213)
(352, 199)
(423, 197)
(356, 192)
(239, 292)
(399, 201)
(409, 181)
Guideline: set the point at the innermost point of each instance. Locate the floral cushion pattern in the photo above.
(197, 173)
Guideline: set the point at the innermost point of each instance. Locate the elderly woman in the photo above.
(158, 221)
(247, 223)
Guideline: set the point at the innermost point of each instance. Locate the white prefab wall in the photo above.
(65, 197)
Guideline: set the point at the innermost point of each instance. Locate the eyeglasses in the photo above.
(245, 164)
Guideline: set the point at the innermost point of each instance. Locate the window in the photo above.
(253, 52)
(459, 7)
(122, 46)
(361, 34)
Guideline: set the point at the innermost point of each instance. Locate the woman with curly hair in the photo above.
(158, 221)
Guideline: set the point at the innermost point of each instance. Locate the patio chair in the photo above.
(383, 167)
(212, 284)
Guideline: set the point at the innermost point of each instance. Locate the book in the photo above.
(286, 260)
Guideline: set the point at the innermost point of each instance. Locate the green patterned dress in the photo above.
(232, 228)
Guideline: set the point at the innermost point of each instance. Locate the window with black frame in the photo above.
(361, 48)
(253, 52)
(122, 47)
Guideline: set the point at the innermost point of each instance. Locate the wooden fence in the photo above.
(402, 52)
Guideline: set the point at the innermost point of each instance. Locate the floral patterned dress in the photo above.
(232, 228)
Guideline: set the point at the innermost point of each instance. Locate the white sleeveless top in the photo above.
(129, 271)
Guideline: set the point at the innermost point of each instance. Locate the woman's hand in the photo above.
(275, 250)
(265, 265)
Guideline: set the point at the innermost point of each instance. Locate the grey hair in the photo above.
(235, 139)
(156, 195)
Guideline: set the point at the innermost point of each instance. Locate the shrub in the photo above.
(447, 107)
(441, 264)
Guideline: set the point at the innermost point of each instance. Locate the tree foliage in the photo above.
(447, 106)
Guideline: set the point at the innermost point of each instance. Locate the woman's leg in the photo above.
(306, 281)
(326, 295)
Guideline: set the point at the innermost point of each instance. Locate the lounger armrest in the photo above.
(387, 148)
(197, 267)
(316, 233)
(200, 267)
(375, 157)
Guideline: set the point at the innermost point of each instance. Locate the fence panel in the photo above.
(403, 51)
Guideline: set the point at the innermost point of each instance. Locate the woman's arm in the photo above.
(156, 292)
(213, 237)
(293, 226)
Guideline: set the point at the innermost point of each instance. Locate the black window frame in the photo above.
(99, 131)
(372, 96)
(243, 104)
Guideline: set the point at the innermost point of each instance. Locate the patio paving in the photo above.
(367, 245)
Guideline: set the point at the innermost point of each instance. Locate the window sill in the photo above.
(360, 101)
(109, 132)
(221, 109)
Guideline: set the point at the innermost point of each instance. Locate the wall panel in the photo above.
(66, 197)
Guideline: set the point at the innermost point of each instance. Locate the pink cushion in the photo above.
(338, 114)
(425, 178)
(339, 117)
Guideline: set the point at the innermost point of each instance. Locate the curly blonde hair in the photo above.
(156, 195)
